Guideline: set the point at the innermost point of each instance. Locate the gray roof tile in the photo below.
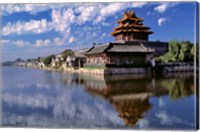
(98, 49)
(130, 48)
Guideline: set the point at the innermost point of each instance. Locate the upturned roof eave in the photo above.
(116, 33)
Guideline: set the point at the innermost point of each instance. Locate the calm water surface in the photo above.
(36, 98)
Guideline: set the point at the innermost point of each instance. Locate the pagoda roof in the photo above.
(131, 25)
(131, 30)
(129, 16)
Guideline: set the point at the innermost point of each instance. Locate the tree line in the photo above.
(183, 51)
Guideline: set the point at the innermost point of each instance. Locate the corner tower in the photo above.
(131, 28)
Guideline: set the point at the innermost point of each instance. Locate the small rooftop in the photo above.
(98, 48)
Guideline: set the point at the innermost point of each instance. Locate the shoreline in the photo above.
(121, 70)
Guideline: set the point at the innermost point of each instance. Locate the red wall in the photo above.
(131, 36)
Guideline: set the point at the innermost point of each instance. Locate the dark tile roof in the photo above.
(98, 49)
(81, 52)
(139, 48)
(84, 50)
(127, 46)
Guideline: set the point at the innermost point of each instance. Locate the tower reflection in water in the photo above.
(130, 94)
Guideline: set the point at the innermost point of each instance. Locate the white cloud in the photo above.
(161, 21)
(71, 39)
(161, 8)
(11, 50)
(31, 8)
(68, 21)
(164, 6)
(38, 43)
(104, 34)
(87, 13)
(4, 41)
(33, 26)
(59, 41)
(94, 12)
(109, 10)
(42, 43)
(113, 8)
(18, 43)
(21, 43)
(138, 4)
(35, 8)
(62, 18)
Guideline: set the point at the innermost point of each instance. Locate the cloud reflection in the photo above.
(143, 123)
(166, 119)
(23, 100)
(70, 108)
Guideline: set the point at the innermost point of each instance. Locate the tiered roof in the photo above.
(131, 23)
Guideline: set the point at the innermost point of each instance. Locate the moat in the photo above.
(39, 98)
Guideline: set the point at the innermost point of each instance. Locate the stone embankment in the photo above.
(171, 69)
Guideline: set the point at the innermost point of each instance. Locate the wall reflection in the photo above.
(129, 94)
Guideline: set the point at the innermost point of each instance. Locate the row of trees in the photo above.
(179, 52)
(48, 59)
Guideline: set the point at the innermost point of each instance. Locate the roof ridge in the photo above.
(101, 44)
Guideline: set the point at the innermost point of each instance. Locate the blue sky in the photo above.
(33, 30)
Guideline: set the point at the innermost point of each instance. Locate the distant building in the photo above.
(57, 61)
(69, 58)
(131, 47)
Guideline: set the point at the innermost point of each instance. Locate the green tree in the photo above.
(18, 60)
(195, 52)
(178, 51)
(172, 54)
(48, 59)
(174, 49)
(67, 52)
(184, 52)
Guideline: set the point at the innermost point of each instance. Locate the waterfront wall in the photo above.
(179, 69)
(110, 71)
(113, 71)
